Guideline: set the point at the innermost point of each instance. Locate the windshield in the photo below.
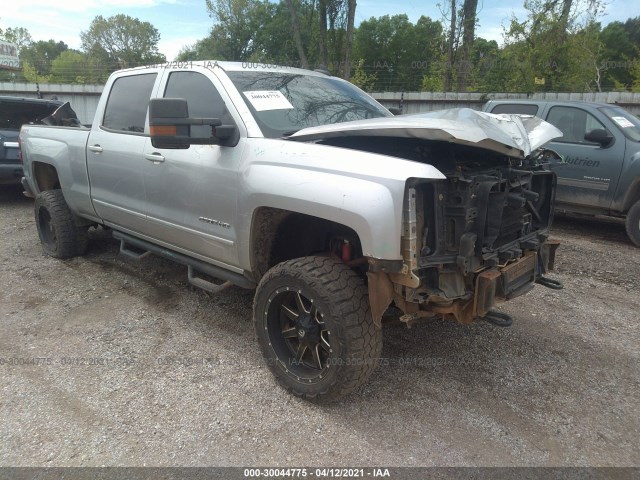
(629, 125)
(284, 103)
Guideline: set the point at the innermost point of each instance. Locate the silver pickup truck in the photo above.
(301, 186)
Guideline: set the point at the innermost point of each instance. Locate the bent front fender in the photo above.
(360, 190)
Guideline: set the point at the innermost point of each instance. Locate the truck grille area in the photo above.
(486, 218)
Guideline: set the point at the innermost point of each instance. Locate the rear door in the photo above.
(115, 149)
(191, 193)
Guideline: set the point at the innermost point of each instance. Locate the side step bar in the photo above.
(206, 284)
(193, 265)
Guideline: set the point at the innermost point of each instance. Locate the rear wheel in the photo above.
(633, 223)
(314, 327)
(60, 234)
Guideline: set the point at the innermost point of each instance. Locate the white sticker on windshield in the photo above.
(268, 100)
(623, 122)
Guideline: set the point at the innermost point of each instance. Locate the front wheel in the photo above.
(58, 228)
(633, 223)
(314, 327)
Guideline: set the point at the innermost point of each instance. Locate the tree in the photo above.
(619, 49)
(255, 31)
(333, 19)
(296, 34)
(468, 21)
(484, 72)
(398, 53)
(275, 41)
(122, 41)
(322, 34)
(453, 35)
(556, 43)
(21, 38)
(40, 54)
(31, 75)
(559, 41)
(19, 35)
(362, 79)
(459, 43)
(72, 66)
(349, 38)
(632, 27)
(238, 25)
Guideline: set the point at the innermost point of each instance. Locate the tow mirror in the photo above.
(599, 135)
(171, 127)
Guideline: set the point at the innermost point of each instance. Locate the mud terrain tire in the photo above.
(632, 223)
(58, 228)
(315, 329)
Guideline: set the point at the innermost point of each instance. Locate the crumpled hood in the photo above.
(512, 135)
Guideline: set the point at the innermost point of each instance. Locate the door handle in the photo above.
(154, 157)
(95, 148)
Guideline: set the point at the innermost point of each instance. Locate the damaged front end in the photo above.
(476, 239)
(479, 238)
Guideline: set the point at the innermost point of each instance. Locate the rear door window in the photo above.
(126, 110)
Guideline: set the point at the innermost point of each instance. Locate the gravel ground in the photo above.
(108, 362)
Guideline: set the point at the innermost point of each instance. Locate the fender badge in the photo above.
(214, 222)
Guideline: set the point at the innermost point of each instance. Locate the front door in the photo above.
(589, 174)
(191, 193)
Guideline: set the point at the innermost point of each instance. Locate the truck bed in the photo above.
(65, 148)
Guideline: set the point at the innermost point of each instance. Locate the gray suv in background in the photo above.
(600, 147)
(15, 112)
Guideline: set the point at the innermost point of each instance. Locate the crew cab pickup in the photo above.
(302, 187)
(15, 112)
(600, 149)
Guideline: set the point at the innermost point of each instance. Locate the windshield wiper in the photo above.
(289, 133)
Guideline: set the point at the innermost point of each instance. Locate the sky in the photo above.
(183, 22)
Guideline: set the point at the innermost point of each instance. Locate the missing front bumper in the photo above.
(491, 287)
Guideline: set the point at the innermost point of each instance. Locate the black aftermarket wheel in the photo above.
(314, 327)
(633, 223)
(59, 233)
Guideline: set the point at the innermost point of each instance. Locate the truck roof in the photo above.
(230, 67)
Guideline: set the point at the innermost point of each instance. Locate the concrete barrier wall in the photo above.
(415, 102)
(84, 98)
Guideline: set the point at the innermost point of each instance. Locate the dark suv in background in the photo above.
(14, 112)
(600, 147)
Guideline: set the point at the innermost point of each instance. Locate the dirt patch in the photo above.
(105, 361)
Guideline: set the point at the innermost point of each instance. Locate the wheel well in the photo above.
(279, 235)
(45, 176)
(633, 195)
